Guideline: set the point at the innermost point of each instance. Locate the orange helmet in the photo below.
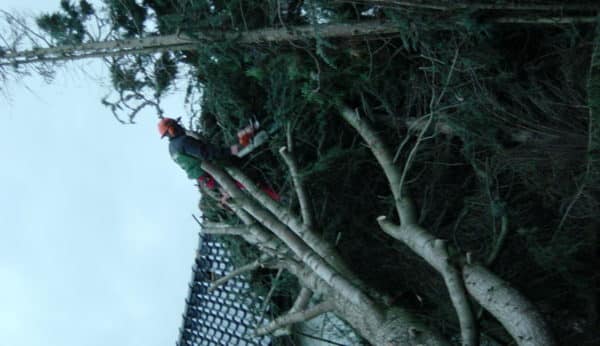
(167, 126)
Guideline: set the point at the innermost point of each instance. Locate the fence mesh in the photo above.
(225, 316)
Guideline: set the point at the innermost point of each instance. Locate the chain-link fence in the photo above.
(228, 314)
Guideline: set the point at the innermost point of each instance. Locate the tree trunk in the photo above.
(155, 44)
(481, 5)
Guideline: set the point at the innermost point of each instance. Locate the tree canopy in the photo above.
(489, 111)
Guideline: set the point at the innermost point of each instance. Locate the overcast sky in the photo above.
(96, 235)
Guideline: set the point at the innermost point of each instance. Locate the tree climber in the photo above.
(189, 151)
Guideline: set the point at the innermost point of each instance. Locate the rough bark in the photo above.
(518, 316)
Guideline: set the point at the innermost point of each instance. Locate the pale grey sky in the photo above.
(96, 234)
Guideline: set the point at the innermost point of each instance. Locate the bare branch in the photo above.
(267, 299)
(260, 262)
(546, 20)
(293, 223)
(407, 329)
(296, 317)
(184, 42)
(404, 205)
(433, 111)
(257, 235)
(302, 300)
(524, 326)
(434, 252)
(296, 244)
(424, 244)
(305, 205)
(231, 230)
(499, 242)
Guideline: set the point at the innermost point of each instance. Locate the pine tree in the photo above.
(421, 150)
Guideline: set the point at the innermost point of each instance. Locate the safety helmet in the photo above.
(167, 126)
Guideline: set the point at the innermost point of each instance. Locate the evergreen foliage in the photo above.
(513, 140)
(67, 26)
(509, 140)
(127, 15)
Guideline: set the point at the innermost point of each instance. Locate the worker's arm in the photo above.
(202, 150)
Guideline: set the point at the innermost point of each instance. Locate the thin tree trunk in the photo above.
(190, 42)
(479, 5)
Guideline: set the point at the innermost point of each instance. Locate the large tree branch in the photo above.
(434, 251)
(420, 241)
(294, 243)
(522, 325)
(308, 235)
(296, 317)
(257, 235)
(518, 316)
